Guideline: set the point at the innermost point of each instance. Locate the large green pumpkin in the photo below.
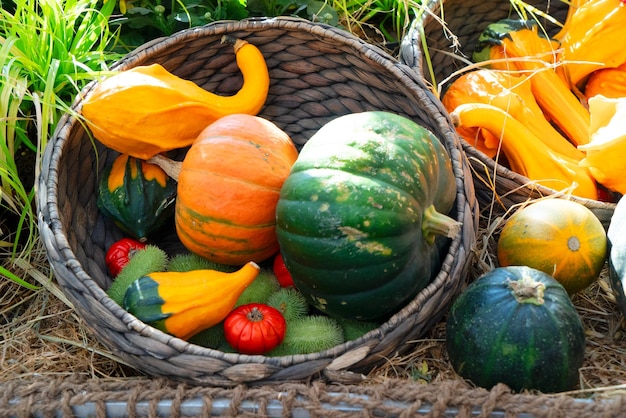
(516, 325)
(359, 215)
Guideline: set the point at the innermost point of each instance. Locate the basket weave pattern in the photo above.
(450, 50)
(317, 73)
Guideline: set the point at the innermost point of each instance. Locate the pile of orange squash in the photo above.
(551, 108)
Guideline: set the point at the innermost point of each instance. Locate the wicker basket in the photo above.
(317, 72)
(450, 50)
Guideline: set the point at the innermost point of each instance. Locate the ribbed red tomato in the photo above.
(120, 253)
(255, 328)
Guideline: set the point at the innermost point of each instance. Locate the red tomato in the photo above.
(281, 272)
(120, 253)
(254, 328)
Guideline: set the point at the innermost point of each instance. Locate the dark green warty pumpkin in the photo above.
(359, 215)
(516, 325)
(138, 196)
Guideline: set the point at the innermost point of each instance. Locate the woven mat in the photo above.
(395, 397)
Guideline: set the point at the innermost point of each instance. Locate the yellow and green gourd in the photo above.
(138, 196)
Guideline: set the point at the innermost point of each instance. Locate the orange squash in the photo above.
(593, 38)
(526, 154)
(557, 236)
(228, 188)
(517, 45)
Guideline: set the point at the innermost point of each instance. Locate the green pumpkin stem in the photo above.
(435, 223)
(527, 290)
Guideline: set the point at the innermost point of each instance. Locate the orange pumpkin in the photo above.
(228, 187)
(557, 236)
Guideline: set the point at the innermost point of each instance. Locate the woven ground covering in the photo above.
(395, 397)
(51, 365)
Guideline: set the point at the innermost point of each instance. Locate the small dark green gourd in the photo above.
(138, 196)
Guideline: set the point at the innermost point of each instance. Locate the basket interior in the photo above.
(313, 79)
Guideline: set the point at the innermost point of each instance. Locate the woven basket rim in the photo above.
(499, 170)
(252, 24)
(54, 235)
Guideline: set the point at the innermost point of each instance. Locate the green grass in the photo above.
(49, 50)
(142, 20)
(391, 17)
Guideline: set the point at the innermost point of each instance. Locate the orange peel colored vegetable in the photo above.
(512, 94)
(593, 38)
(526, 154)
(516, 45)
(147, 110)
(609, 82)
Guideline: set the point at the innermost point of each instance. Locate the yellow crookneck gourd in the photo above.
(517, 46)
(147, 110)
(592, 38)
(525, 153)
(185, 303)
(512, 94)
(606, 151)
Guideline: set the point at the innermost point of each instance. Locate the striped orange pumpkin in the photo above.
(228, 188)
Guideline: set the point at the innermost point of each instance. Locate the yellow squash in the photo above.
(525, 153)
(593, 38)
(606, 153)
(185, 303)
(147, 110)
(512, 94)
(571, 9)
(516, 45)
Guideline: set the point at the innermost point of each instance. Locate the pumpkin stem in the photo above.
(255, 315)
(527, 290)
(171, 167)
(435, 223)
(235, 42)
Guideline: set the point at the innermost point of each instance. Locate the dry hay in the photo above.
(42, 336)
